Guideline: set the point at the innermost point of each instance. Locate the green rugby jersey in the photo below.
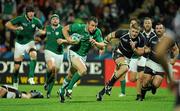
(51, 39)
(84, 45)
(29, 27)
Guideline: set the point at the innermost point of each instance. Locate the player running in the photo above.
(89, 36)
(24, 27)
(130, 43)
(54, 50)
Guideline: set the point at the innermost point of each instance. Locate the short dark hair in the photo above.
(135, 19)
(148, 18)
(29, 8)
(92, 18)
(159, 23)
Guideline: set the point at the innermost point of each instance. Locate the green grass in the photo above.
(84, 100)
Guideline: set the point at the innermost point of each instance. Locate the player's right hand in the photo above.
(19, 28)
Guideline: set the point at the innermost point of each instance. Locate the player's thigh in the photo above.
(19, 52)
(79, 64)
(50, 60)
(31, 49)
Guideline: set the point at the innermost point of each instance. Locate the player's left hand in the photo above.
(93, 42)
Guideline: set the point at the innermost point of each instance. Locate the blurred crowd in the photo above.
(112, 14)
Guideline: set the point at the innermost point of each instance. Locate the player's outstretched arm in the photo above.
(109, 37)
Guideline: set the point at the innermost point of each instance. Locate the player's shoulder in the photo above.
(36, 19)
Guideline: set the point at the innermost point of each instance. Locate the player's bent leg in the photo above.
(139, 84)
(157, 80)
(145, 88)
(32, 65)
(78, 64)
(66, 82)
(17, 64)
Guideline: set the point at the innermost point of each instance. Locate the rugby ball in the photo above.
(76, 37)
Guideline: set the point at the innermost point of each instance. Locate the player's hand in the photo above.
(93, 42)
(147, 49)
(19, 28)
(60, 41)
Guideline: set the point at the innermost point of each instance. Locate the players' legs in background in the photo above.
(32, 65)
(140, 78)
(50, 75)
(123, 86)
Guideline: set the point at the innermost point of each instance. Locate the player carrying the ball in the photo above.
(77, 54)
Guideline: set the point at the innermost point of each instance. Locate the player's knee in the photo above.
(83, 71)
(33, 53)
(132, 79)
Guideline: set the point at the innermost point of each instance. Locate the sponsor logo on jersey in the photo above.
(33, 25)
(57, 33)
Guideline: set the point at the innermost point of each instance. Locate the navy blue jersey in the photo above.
(147, 38)
(151, 44)
(125, 39)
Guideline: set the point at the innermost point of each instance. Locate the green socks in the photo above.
(32, 66)
(16, 77)
(74, 79)
(123, 86)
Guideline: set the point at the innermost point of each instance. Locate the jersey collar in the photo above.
(27, 18)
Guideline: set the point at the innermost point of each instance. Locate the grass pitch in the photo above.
(83, 99)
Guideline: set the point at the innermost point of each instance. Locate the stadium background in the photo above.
(112, 14)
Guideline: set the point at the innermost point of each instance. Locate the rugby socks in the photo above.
(50, 86)
(32, 66)
(16, 76)
(112, 81)
(64, 85)
(48, 74)
(123, 86)
(74, 79)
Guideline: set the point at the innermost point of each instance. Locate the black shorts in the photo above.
(140, 68)
(148, 70)
(11, 89)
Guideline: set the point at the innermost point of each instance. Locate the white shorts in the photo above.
(154, 66)
(72, 54)
(20, 49)
(56, 58)
(133, 64)
(142, 61)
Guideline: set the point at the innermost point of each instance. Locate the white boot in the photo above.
(31, 81)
